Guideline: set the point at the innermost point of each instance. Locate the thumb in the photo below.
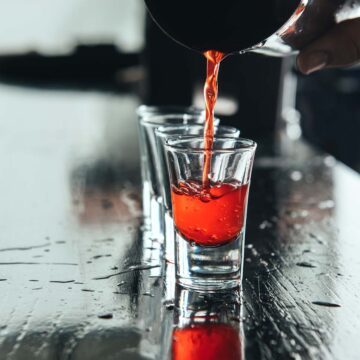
(338, 47)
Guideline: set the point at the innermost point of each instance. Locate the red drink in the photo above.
(210, 216)
(210, 94)
(206, 342)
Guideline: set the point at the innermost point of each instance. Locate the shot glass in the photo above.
(209, 209)
(163, 134)
(150, 118)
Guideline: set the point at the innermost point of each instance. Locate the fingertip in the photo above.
(298, 64)
(309, 62)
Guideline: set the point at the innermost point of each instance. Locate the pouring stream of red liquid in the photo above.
(210, 93)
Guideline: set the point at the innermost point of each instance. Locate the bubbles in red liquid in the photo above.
(209, 217)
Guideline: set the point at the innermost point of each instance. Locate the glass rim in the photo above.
(161, 120)
(174, 144)
(154, 110)
(162, 131)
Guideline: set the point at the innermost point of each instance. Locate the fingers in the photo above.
(339, 47)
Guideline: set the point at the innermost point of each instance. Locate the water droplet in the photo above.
(329, 161)
(169, 304)
(295, 356)
(296, 175)
(254, 252)
(105, 316)
(3, 330)
(265, 225)
(328, 204)
(324, 303)
(317, 238)
(264, 263)
(305, 264)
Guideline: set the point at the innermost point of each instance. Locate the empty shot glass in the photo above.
(209, 209)
(148, 123)
(152, 233)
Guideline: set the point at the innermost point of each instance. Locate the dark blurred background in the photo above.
(113, 47)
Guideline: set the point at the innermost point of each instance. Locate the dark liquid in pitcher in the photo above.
(227, 26)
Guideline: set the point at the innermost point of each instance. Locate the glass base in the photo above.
(209, 268)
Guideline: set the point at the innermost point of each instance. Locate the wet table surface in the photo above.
(77, 280)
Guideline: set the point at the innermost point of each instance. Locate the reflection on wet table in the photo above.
(79, 279)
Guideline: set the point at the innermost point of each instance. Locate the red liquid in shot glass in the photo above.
(212, 216)
(206, 342)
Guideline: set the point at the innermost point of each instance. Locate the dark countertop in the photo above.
(70, 221)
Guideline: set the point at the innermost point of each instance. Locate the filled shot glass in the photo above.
(209, 205)
(163, 134)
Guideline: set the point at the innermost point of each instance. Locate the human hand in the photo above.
(338, 47)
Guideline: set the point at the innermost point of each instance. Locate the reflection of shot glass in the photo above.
(150, 118)
(209, 216)
(207, 326)
(163, 134)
